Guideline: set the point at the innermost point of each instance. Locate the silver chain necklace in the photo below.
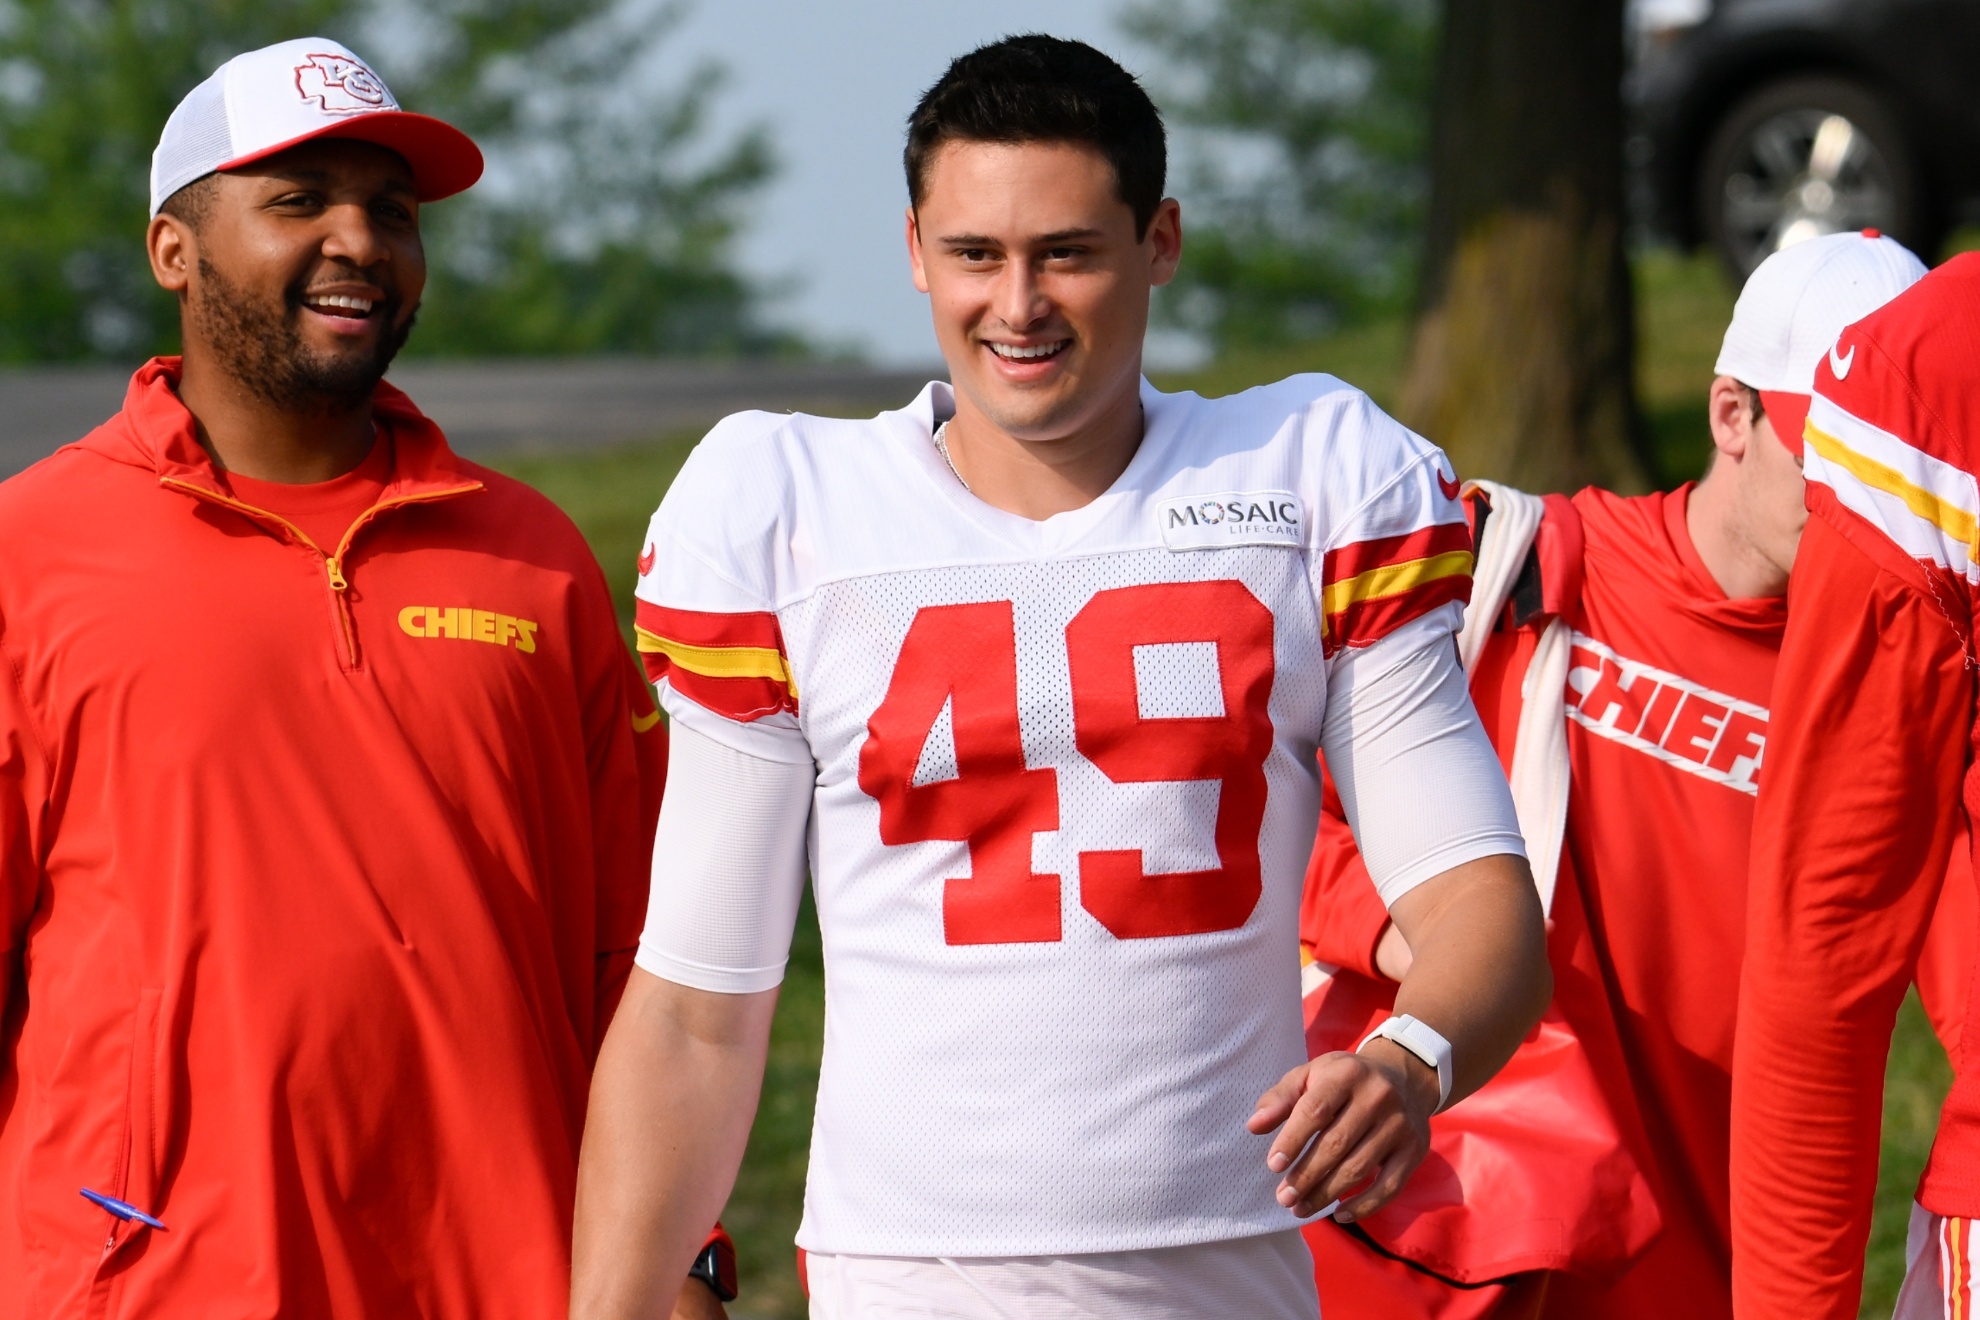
(942, 448)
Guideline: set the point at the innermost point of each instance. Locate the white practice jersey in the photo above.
(1066, 788)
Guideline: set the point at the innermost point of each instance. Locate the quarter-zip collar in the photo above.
(156, 429)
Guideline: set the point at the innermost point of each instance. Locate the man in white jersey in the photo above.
(1035, 671)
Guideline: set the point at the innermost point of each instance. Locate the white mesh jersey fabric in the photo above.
(728, 867)
(1079, 1085)
(1040, 1071)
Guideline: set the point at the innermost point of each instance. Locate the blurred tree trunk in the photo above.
(1524, 347)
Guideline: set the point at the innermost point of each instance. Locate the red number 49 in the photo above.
(966, 656)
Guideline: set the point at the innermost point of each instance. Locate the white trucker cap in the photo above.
(1794, 306)
(271, 99)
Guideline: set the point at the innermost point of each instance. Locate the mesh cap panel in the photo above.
(195, 140)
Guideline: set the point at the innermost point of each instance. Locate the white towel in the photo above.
(1540, 773)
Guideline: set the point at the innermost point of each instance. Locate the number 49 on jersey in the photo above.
(965, 657)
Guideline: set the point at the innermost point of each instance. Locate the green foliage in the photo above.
(85, 86)
(607, 225)
(606, 221)
(1305, 124)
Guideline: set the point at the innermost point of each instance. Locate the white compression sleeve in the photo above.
(1417, 776)
(728, 867)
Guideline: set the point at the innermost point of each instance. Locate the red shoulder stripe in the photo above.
(734, 664)
(1351, 561)
(1365, 622)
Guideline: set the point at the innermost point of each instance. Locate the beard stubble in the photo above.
(260, 344)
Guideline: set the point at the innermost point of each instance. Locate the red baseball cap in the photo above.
(1788, 412)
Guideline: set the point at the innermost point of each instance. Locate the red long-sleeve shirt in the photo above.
(1872, 754)
(1667, 701)
(319, 876)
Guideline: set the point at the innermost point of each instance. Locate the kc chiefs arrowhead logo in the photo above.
(341, 85)
(646, 562)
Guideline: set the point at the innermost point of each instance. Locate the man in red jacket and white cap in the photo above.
(1622, 654)
(327, 785)
(1869, 784)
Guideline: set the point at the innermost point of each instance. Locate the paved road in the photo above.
(487, 407)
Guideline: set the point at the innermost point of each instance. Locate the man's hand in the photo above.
(1348, 1121)
(699, 1302)
(1360, 1123)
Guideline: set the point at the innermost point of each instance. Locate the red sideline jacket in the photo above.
(1668, 689)
(319, 877)
(1875, 734)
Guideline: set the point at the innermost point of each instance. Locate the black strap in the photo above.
(716, 1267)
(1528, 596)
(1529, 593)
(1363, 1236)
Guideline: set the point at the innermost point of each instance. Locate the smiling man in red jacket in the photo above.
(327, 784)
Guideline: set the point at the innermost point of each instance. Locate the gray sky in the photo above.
(834, 81)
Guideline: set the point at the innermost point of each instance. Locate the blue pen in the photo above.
(124, 1210)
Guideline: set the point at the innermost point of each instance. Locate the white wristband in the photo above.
(1422, 1040)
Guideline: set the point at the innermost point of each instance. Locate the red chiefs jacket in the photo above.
(319, 875)
(1875, 727)
(1668, 725)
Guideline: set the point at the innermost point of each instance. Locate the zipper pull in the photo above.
(336, 571)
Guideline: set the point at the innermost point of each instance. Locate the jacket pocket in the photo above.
(136, 1176)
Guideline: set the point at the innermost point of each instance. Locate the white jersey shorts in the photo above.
(1257, 1278)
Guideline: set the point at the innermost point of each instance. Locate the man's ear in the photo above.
(1729, 410)
(174, 251)
(914, 251)
(1166, 238)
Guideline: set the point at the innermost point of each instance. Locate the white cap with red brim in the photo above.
(280, 96)
(1794, 306)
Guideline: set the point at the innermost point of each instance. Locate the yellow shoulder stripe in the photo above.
(1393, 580)
(722, 661)
(1947, 517)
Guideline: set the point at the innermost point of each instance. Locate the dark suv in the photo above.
(1757, 123)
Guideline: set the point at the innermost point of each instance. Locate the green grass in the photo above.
(610, 494)
(1915, 1085)
(1683, 306)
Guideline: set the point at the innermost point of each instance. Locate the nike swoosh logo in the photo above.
(1841, 365)
(1448, 485)
(646, 562)
(641, 723)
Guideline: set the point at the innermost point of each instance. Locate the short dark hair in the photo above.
(1755, 407)
(1036, 88)
(192, 203)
